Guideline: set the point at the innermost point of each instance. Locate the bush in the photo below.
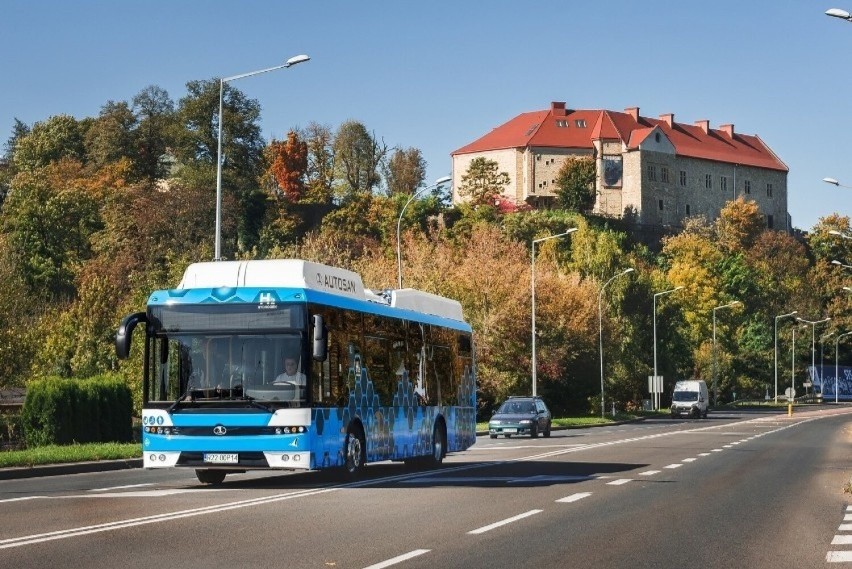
(64, 411)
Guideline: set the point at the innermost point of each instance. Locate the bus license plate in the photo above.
(221, 458)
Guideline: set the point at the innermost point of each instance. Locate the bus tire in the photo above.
(439, 446)
(354, 451)
(207, 476)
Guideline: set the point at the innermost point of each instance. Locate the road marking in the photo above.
(649, 472)
(21, 499)
(845, 527)
(120, 487)
(847, 518)
(703, 454)
(504, 522)
(398, 559)
(574, 497)
(842, 540)
(689, 460)
(716, 450)
(619, 482)
(677, 465)
(838, 557)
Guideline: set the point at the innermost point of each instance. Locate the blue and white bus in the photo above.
(289, 364)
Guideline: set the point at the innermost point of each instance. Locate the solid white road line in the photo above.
(574, 497)
(504, 522)
(399, 559)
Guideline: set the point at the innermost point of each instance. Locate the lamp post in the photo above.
(656, 394)
(438, 183)
(715, 383)
(836, 367)
(289, 63)
(532, 294)
(843, 15)
(776, 349)
(813, 342)
(600, 328)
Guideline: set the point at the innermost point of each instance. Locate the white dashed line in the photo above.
(689, 460)
(677, 465)
(619, 482)
(649, 472)
(574, 497)
(398, 559)
(504, 522)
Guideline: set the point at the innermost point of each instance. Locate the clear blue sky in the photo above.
(436, 75)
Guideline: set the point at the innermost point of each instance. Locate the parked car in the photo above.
(520, 416)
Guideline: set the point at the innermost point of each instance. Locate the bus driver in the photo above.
(291, 373)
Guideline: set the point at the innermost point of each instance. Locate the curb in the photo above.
(15, 473)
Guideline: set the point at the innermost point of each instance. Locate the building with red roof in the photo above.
(655, 171)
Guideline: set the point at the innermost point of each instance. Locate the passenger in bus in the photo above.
(291, 373)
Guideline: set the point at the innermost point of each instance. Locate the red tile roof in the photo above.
(540, 129)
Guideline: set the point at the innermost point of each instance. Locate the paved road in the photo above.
(741, 490)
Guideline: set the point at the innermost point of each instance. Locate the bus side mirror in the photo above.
(124, 335)
(320, 339)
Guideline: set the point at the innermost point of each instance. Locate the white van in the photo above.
(690, 399)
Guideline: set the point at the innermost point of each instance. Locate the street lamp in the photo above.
(600, 328)
(842, 14)
(776, 349)
(839, 264)
(289, 63)
(813, 342)
(715, 383)
(438, 183)
(836, 368)
(532, 289)
(656, 393)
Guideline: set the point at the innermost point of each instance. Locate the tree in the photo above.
(19, 131)
(111, 136)
(288, 166)
(357, 157)
(483, 182)
(155, 130)
(320, 170)
(405, 171)
(575, 184)
(58, 137)
(739, 225)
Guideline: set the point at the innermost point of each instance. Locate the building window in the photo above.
(747, 186)
(580, 123)
(664, 174)
(538, 157)
(723, 183)
(562, 124)
(769, 222)
(683, 177)
(652, 172)
(769, 190)
(661, 205)
(708, 181)
(687, 209)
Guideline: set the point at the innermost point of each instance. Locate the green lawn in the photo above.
(56, 454)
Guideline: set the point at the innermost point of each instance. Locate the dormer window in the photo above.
(580, 123)
(562, 124)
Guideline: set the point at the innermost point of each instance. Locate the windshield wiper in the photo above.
(254, 403)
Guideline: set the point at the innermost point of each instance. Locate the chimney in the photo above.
(633, 112)
(557, 108)
(668, 119)
(704, 125)
(727, 129)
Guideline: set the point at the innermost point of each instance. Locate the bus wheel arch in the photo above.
(354, 449)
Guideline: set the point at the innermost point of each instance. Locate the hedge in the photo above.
(65, 411)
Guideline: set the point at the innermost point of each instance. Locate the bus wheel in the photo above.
(210, 476)
(354, 452)
(438, 446)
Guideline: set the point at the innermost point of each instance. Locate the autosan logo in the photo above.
(295, 442)
(266, 301)
(219, 430)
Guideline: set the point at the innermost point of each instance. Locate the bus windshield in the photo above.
(215, 367)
